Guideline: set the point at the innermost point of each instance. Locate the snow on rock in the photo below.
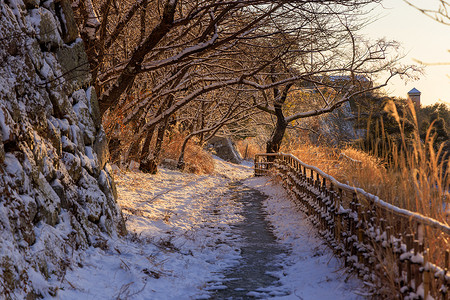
(56, 196)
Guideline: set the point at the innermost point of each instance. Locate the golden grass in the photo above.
(197, 160)
(409, 175)
(414, 178)
(248, 148)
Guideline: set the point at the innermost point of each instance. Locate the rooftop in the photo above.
(414, 91)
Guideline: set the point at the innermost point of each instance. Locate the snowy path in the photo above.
(188, 241)
(261, 254)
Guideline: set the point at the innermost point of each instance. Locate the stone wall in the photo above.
(57, 195)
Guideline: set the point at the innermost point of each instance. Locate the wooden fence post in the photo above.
(409, 241)
(360, 241)
(426, 274)
(317, 183)
(417, 275)
(445, 292)
(446, 261)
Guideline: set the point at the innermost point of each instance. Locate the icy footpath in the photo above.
(182, 242)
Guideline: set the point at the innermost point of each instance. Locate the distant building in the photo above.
(414, 95)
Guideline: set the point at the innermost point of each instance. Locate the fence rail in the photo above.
(367, 231)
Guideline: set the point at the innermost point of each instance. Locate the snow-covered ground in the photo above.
(181, 241)
(310, 271)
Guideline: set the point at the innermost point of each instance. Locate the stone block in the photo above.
(49, 204)
(62, 106)
(86, 124)
(31, 3)
(59, 189)
(92, 197)
(93, 107)
(73, 165)
(67, 19)
(225, 149)
(47, 28)
(75, 66)
(101, 148)
(76, 136)
(67, 145)
(14, 169)
(27, 212)
(54, 136)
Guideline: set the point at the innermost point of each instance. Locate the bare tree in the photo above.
(151, 59)
(440, 10)
(335, 67)
(219, 114)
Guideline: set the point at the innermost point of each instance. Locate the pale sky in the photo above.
(423, 39)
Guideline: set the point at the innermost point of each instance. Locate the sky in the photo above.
(422, 39)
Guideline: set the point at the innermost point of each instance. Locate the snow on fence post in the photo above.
(257, 165)
(420, 233)
(338, 211)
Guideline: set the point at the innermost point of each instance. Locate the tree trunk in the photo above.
(114, 150)
(274, 143)
(150, 159)
(181, 164)
(143, 166)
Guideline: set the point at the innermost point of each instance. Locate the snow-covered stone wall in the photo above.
(57, 195)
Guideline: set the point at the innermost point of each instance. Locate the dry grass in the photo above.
(249, 147)
(414, 178)
(350, 166)
(197, 160)
(408, 174)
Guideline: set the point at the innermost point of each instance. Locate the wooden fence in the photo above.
(381, 241)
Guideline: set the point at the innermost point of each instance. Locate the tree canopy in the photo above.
(155, 63)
